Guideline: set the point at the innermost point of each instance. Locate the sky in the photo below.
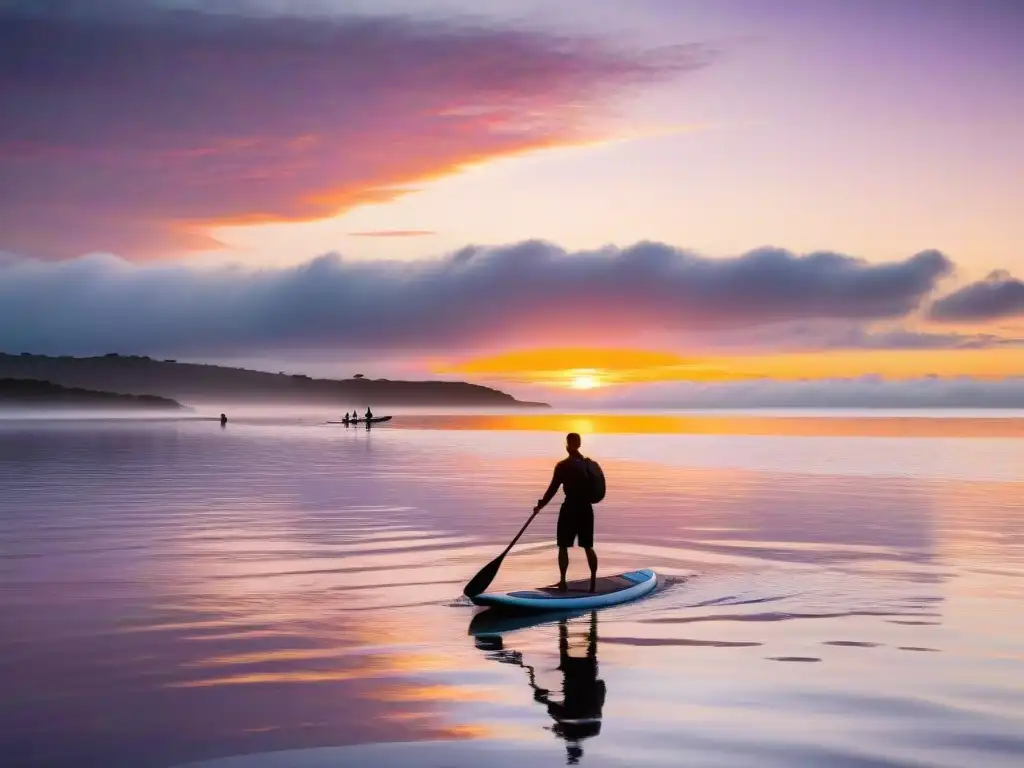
(582, 199)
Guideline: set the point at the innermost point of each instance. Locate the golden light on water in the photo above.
(778, 425)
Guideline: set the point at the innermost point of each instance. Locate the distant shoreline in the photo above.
(36, 392)
(187, 383)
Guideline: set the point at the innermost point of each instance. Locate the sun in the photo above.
(585, 381)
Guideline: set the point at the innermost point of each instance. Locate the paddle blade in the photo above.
(483, 579)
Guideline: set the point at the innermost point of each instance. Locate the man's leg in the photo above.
(563, 565)
(586, 531)
(566, 536)
(592, 562)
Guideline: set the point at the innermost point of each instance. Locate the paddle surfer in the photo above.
(369, 413)
(576, 517)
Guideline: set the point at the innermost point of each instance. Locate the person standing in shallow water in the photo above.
(576, 517)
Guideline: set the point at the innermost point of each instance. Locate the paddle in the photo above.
(483, 579)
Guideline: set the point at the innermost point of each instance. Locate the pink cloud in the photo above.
(137, 132)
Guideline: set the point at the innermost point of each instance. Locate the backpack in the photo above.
(595, 480)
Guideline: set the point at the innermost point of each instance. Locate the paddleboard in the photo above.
(610, 590)
(374, 420)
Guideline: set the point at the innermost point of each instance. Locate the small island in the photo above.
(194, 383)
(35, 392)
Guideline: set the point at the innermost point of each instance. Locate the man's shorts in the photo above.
(576, 523)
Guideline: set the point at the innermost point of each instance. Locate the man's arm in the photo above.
(550, 492)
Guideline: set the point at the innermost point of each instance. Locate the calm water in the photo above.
(836, 593)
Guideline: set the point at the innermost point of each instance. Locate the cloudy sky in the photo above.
(641, 194)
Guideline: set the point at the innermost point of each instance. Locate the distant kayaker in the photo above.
(576, 517)
(369, 413)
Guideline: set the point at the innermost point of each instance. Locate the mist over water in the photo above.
(173, 591)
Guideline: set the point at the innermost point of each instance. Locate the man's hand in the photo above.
(539, 507)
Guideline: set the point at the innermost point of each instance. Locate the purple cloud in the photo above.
(998, 296)
(136, 129)
(478, 298)
(846, 334)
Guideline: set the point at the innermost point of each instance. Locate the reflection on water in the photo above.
(175, 592)
(731, 424)
(578, 715)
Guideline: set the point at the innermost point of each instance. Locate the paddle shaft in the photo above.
(521, 532)
(486, 575)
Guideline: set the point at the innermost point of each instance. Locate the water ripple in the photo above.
(174, 592)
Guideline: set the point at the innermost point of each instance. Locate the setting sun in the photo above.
(585, 381)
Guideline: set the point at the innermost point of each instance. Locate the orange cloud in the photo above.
(560, 366)
(151, 154)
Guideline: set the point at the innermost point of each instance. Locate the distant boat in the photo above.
(374, 420)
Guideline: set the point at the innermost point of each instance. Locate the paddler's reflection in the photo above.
(578, 715)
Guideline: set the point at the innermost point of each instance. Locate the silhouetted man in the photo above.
(576, 517)
(369, 413)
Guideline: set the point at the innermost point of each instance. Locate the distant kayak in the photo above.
(374, 420)
(611, 590)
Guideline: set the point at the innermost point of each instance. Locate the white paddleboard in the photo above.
(610, 590)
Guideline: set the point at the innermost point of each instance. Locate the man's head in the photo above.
(572, 442)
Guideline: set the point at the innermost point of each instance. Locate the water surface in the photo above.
(836, 593)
